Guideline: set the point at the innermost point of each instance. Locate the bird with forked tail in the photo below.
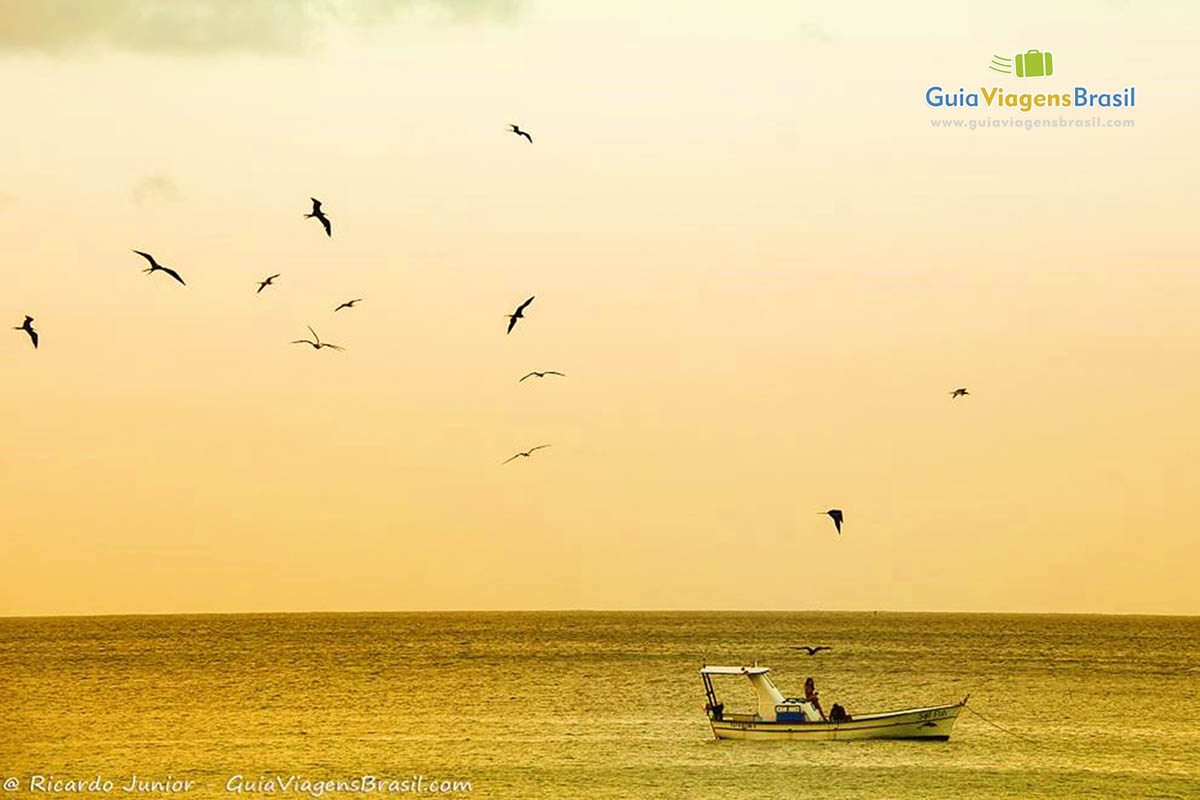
(316, 342)
(812, 651)
(525, 453)
(516, 315)
(27, 326)
(319, 215)
(537, 374)
(157, 267)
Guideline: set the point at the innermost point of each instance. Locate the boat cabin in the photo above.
(771, 705)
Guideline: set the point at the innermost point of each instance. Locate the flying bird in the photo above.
(316, 342)
(836, 515)
(269, 281)
(812, 651)
(155, 266)
(542, 374)
(515, 129)
(959, 393)
(516, 315)
(319, 214)
(525, 453)
(348, 304)
(27, 326)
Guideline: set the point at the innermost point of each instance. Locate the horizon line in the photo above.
(377, 612)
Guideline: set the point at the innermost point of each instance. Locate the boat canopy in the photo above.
(768, 696)
(707, 670)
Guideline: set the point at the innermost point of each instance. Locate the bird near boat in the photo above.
(959, 393)
(836, 515)
(541, 374)
(516, 315)
(157, 267)
(348, 304)
(317, 213)
(517, 130)
(268, 281)
(316, 342)
(812, 651)
(525, 453)
(27, 326)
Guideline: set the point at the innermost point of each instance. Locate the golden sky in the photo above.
(760, 266)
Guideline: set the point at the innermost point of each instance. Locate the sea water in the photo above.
(580, 704)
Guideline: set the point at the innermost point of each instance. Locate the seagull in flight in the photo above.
(959, 393)
(155, 266)
(516, 315)
(319, 214)
(812, 651)
(27, 326)
(348, 304)
(542, 374)
(316, 342)
(525, 453)
(515, 129)
(269, 281)
(836, 515)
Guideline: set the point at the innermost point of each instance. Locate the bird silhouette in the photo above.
(155, 266)
(270, 280)
(319, 214)
(348, 304)
(525, 453)
(836, 515)
(316, 342)
(542, 374)
(812, 651)
(516, 315)
(515, 129)
(27, 326)
(959, 393)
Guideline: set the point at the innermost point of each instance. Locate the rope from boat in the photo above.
(998, 727)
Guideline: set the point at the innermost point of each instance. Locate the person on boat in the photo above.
(838, 714)
(810, 694)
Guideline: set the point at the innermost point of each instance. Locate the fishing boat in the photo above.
(782, 718)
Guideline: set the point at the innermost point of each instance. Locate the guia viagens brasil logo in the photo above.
(1029, 64)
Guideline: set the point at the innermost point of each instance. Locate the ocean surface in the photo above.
(582, 705)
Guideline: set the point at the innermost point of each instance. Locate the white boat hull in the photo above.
(915, 723)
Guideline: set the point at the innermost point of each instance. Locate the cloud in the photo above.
(210, 26)
(155, 188)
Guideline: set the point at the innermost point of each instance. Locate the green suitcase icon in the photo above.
(1034, 64)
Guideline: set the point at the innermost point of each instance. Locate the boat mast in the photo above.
(709, 693)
